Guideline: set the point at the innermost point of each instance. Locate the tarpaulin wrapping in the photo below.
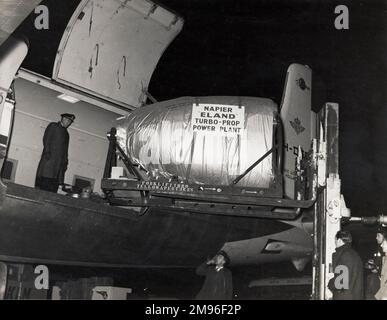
(185, 138)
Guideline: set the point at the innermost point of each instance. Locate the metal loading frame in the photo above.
(174, 194)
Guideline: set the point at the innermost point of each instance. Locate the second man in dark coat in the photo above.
(54, 159)
(347, 283)
(218, 282)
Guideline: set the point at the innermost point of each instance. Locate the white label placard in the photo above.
(219, 119)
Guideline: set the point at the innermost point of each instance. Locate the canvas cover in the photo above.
(202, 140)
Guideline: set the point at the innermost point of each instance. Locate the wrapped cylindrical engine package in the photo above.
(202, 140)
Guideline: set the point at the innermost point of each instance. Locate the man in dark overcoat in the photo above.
(347, 283)
(54, 159)
(218, 282)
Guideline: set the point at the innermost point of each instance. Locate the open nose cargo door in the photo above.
(111, 48)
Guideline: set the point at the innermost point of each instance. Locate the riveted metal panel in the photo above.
(111, 48)
(12, 13)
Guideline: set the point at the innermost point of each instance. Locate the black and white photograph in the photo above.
(211, 151)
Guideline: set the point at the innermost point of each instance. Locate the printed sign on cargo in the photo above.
(218, 119)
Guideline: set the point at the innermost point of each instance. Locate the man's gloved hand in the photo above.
(66, 187)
